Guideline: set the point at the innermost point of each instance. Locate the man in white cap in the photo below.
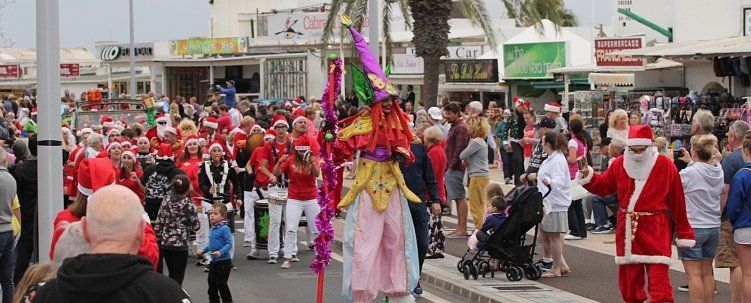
(437, 117)
(648, 202)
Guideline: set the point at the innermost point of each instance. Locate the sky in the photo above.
(84, 21)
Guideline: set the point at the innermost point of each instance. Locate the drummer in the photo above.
(271, 153)
(302, 169)
(215, 178)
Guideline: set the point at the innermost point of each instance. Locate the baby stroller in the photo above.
(508, 243)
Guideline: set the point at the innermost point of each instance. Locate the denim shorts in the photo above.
(705, 248)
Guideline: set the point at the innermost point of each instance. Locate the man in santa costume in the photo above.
(553, 111)
(210, 126)
(156, 133)
(648, 202)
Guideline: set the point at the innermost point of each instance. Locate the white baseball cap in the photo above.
(435, 113)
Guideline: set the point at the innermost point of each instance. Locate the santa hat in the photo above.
(33, 111)
(216, 145)
(125, 144)
(162, 118)
(257, 127)
(170, 129)
(143, 139)
(165, 152)
(298, 119)
(302, 143)
(128, 153)
(297, 101)
(270, 135)
(191, 139)
(639, 135)
(298, 112)
(106, 121)
(85, 130)
(236, 131)
(66, 130)
(201, 140)
(113, 131)
(553, 107)
(211, 123)
(112, 145)
(521, 102)
(279, 119)
(93, 174)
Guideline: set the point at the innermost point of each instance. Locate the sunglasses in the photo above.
(162, 123)
(637, 150)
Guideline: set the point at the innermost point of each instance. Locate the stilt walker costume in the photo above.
(650, 194)
(379, 246)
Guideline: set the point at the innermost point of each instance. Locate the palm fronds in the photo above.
(477, 14)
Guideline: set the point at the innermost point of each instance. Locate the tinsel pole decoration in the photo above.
(327, 139)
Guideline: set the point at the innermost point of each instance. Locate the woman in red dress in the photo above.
(130, 174)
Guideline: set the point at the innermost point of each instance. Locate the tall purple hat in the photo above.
(380, 86)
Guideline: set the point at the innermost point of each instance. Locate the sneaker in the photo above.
(286, 264)
(571, 237)
(683, 288)
(205, 269)
(418, 290)
(508, 181)
(590, 226)
(605, 229)
(200, 262)
(294, 258)
(234, 267)
(545, 266)
(272, 260)
(246, 244)
(311, 247)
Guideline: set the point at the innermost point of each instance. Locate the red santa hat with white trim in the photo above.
(106, 121)
(553, 107)
(171, 129)
(302, 143)
(165, 152)
(34, 111)
(639, 135)
(279, 119)
(162, 118)
(191, 139)
(216, 145)
(211, 123)
(257, 129)
(95, 173)
(269, 135)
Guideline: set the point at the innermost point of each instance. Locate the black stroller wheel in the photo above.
(460, 265)
(473, 270)
(465, 271)
(514, 273)
(492, 272)
(532, 272)
(484, 268)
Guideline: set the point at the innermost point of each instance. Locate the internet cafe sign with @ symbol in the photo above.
(121, 52)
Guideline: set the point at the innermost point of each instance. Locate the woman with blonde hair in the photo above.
(476, 158)
(187, 128)
(34, 278)
(618, 128)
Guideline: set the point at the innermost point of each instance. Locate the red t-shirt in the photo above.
(132, 184)
(302, 186)
(281, 150)
(191, 167)
(529, 133)
(255, 159)
(437, 156)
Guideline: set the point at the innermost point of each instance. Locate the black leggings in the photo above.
(576, 219)
(176, 261)
(218, 277)
(517, 161)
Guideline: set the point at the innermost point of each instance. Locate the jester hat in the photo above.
(373, 88)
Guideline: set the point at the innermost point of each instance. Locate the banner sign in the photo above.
(9, 71)
(310, 26)
(604, 46)
(407, 64)
(70, 70)
(121, 52)
(471, 71)
(533, 60)
(457, 52)
(209, 46)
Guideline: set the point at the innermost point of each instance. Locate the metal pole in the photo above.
(50, 169)
(374, 28)
(132, 57)
(109, 81)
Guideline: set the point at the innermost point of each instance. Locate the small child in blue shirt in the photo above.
(493, 221)
(219, 246)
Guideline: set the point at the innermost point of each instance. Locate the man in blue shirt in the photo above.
(229, 93)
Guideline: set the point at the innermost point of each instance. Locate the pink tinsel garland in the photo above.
(328, 169)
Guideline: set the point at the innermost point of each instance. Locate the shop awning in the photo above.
(707, 48)
(600, 79)
(548, 85)
(660, 63)
(477, 87)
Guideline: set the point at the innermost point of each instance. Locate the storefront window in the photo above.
(285, 78)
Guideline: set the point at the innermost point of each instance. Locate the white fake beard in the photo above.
(640, 165)
(160, 130)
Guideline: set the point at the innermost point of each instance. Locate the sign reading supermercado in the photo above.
(533, 60)
(121, 52)
(604, 46)
(208, 46)
(472, 71)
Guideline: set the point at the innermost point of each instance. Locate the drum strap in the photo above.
(225, 173)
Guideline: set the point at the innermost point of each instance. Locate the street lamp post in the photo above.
(132, 57)
(374, 32)
(50, 166)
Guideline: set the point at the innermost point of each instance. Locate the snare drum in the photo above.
(278, 197)
(261, 215)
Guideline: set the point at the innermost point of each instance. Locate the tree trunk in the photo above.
(430, 79)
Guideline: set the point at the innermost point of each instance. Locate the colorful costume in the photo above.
(379, 245)
(648, 203)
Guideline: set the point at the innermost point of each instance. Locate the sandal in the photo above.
(456, 235)
(549, 274)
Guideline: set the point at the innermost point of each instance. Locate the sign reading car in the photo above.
(110, 52)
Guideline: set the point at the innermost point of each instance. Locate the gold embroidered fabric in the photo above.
(361, 126)
(378, 179)
(635, 219)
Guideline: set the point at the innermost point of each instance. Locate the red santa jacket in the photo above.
(644, 232)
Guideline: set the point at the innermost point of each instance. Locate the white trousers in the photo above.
(202, 235)
(249, 198)
(295, 209)
(275, 223)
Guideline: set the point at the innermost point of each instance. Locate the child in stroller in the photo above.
(496, 215)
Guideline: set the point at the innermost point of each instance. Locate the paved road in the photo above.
(256, 281)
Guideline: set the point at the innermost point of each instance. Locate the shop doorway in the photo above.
(188, 82)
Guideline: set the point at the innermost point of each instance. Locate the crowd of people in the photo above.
(201, 165)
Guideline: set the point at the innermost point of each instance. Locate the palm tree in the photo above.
(430, 29)
(531, 12)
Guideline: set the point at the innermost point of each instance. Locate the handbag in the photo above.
(577, 191)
